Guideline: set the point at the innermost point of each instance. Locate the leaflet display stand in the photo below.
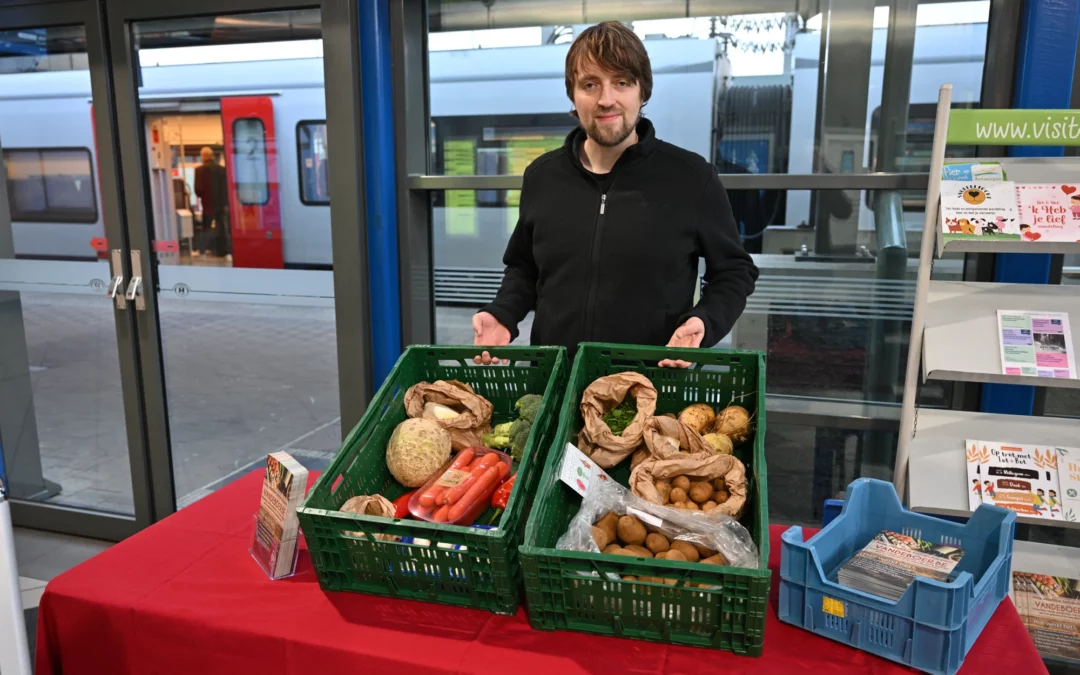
(954, 333)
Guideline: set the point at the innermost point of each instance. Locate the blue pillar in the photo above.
(381, 185)
(1044, 76)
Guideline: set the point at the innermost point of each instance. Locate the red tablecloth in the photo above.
(184, 596)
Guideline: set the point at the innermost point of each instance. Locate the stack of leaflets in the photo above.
(1036, 344)
(1050, 609)
(276, 525)
(977, 204)
(891, 561)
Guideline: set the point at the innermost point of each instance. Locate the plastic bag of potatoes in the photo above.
(628, 525)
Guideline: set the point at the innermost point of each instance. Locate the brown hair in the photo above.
(615, 47)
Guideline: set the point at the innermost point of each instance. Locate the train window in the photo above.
(50, 185)
(311, 152)
(249, 161)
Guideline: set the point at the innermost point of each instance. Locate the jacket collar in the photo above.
(635, 153)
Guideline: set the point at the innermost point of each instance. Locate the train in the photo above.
(492, 112)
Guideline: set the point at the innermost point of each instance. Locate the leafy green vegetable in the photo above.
(620, 417)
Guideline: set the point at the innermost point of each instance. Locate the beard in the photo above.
(609, 135)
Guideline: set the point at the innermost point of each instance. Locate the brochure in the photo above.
(890, 562)
(1036, 344)
(1069, 483)
(1023, 478)
(276, 525)
(977, 209)
(1049, 212)
(1050, 609)
(973, 171)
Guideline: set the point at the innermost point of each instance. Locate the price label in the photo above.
(831, 606)
(453, 478)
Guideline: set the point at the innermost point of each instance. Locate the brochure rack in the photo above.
(954, 332)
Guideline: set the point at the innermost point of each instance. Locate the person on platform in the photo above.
(211, 189)
(611, 226)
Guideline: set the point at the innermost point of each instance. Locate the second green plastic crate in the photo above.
(561, 596)
(464, 566)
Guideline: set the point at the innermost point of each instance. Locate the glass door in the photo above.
(224, 146)
(70, 423)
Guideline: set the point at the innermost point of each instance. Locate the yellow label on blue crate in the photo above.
(834, 607)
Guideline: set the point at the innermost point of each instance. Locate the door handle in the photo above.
(134, 290)
(116, 293)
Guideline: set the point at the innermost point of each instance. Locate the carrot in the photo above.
(464, 458)
(463, 505)
(453, 494)
(504, 469)
(427, 499)
(442, 514)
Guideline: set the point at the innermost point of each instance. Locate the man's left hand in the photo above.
(690, 334)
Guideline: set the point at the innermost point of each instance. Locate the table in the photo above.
(184, 596)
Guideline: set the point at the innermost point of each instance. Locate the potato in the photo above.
(608, 524)
(704, 552)
(623, 551)
(719, 443)
(699, 417)
(675, 554)
(631, 531)
(677, 495)
(701, 492)
(691, 506)
(600, 536)
(629, 578)
(663, 486)
(719, 484)
(657, 543)
(679, 505)
(717, 559)
(611, 548)
(709, 506)
(721, 496)
(686, 549)
(641, 551)
(681, 482)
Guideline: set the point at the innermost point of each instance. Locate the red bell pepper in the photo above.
(501, 496)
(401, 504)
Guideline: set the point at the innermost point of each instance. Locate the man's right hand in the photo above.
(488, 332)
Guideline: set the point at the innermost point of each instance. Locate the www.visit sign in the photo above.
(1014, 127)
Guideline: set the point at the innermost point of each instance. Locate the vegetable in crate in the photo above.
(462, 489)
(735, 423)
(720, 443)
(698, 417)
(370, 505)
(513, 436)
(416, 450)
(473, 412)
(606, 394)
(501, 496)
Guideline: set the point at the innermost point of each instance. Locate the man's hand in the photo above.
(690, 334)
(489, 332)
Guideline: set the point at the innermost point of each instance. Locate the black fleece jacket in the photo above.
(621, 267)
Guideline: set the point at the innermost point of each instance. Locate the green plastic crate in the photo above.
(485, 575)
(731, 617)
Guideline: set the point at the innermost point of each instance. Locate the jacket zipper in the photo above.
(590, 296)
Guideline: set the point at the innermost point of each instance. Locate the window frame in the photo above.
(46, 216)
(266, 163)
(300, 165)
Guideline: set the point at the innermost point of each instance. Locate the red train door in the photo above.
(251, 167)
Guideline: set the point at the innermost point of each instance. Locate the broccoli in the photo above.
(528, 406)
(519, 436)
(500, 436)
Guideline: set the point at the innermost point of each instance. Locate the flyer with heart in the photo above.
(1036, 344)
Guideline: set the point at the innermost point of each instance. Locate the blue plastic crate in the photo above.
(934, 624)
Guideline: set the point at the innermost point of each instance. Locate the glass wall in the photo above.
(850, 89)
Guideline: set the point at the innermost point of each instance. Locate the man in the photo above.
(210, 188)
(611, 225)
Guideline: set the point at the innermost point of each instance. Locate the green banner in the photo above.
(1014, 127)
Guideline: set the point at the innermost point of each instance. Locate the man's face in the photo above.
(608, 104)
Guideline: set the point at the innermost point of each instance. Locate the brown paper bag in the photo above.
(596, 439)
(663, 437)
(468, 428)
(370, 505)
